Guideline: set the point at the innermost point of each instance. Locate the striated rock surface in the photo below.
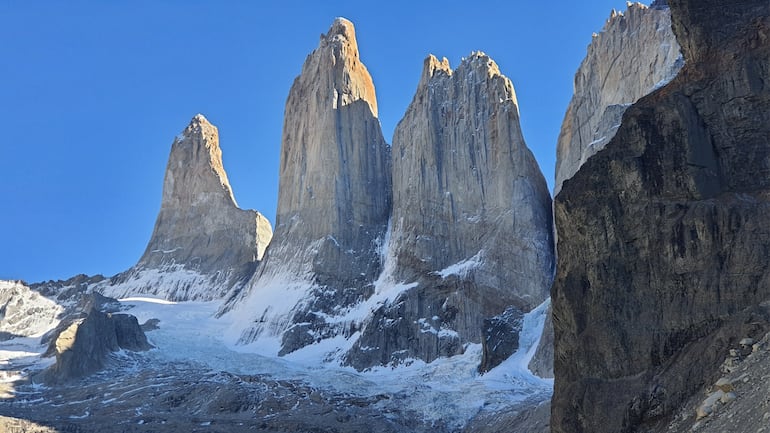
(202, 243)
(333, 200)
(635, 53)
(471, 229)
(664, 236)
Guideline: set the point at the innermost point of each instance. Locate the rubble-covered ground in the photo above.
(194, 381)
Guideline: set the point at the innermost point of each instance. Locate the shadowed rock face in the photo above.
(83, 341)
(635, 53)
(334, 196)
(664, 236)
(200, 233)
(471, 225)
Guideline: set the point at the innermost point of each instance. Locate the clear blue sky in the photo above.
(92, 94)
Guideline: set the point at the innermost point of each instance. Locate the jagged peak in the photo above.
(342, 27)
(617, 17)
(431, 65)
(479, 60)
(476, 61)
(198, 126)
(615, 14)
(342, 31)
(200, 118)
(201, 132)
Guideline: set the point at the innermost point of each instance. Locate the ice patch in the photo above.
(462, 268)
(448, 389)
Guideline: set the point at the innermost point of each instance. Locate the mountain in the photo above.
(471, 224)
(202, 245)
(663, 236)
(635, 53)
(466, 234)
(334, 199)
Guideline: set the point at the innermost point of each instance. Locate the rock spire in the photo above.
(471, 226)
(334, 196)
(202, 242)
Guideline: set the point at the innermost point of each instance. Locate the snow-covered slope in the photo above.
(447, 392)
(25, 312)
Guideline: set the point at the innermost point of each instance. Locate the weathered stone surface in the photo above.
(202, 243)
(635, 53)
(465, 184)
(471, 223)
(664, 236)
(334, 186)
(501, 338)
(334, 194)
(87, 335)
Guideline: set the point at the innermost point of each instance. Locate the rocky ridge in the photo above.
(635, 53)
(663, 235)
(202, 245)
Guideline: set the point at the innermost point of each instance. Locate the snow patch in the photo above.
(172, 282)
(462, 268)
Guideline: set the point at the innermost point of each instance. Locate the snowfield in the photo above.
(446, 389)
(190, 337)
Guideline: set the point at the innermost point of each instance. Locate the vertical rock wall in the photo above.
(664, 237)
(635, 53)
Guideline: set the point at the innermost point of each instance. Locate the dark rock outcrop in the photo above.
(501, 338)
(471, 227)
(202, 244)
(83, 340)
(664, 236)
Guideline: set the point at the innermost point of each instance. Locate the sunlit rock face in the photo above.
(664, 236)
(202, 244)
(471, 225)
(635, 53)
(334, 200)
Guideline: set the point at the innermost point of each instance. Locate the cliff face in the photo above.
(202, 243)
(471, 223)
(334, 186)
(465, 186)
(664, 239)
(635, 53)
(333, 202)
